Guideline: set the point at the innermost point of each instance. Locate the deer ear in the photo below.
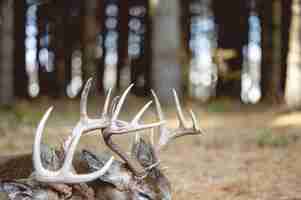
(117, 175)
(144, 153)
(15, 190)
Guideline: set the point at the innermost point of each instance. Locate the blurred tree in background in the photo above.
(271, 48)
(166, 71)
(249, 50)
(6, 52)
(293, 82)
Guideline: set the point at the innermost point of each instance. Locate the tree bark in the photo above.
(293, 81)
(140, 65)
(232, 34)
(286, 23)
(166, 69)
(90, 31)
(20, 75)
(271, 70)
(61, 66)
(122, 39)
(6, 52)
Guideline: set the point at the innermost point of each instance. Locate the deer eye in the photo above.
(144, 196)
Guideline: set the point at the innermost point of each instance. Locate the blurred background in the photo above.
(236, 63)
(205, 49)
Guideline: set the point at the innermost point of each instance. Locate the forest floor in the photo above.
(248, 151)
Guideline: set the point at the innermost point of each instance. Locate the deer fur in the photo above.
(118, 183)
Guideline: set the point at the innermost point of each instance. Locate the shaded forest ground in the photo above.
(248, 152)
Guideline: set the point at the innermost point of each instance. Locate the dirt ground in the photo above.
(248, 152)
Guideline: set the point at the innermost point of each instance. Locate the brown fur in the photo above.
(21, 166)
(15, 167)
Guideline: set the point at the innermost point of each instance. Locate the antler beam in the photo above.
(119, 127)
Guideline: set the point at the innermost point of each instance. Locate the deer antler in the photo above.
(167, 134)
(84, 125)
(119, 127)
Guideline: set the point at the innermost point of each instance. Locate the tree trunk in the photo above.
(90, 31)
(61, 66)
(21, 78)
(166, 69)
(6, 52)
(293, 81)
(138, 61)
(270, 13)
(286, 23)
(122, 48)
(46, 28)
(232, 34)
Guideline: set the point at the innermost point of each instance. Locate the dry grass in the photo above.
(226, 163)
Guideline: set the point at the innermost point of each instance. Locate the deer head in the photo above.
(136, 176)
(139, 176)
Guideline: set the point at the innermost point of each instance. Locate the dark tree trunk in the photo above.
(21, 78)
(72, 41)
(100, 64)
(140, 66)
(6, 52)
(147, 57)
(61, 66)
(47, 28)
(90, 30)
(272, 68)
(232, 34)
(122, 39)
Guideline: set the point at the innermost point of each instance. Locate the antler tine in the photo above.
(113, 105)
(164, 132)
(137, 137)
(120, 102)
(84, 100)
(135, 121)
(181, 116)
(67, 166)
(158, 106)
(107, 103)
(152, 137)
(37, 162)
(65, 174)
(167, 134)
(118, 127)
(196, 126)
(194, 121)
(134, 124)
(140, 113)
(179, 109)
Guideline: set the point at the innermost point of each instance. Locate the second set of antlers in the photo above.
(109, 125)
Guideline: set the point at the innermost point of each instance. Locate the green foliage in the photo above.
(18, 115)
(27, 117)
(268, 138)
(8, 117)
(217, 107)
